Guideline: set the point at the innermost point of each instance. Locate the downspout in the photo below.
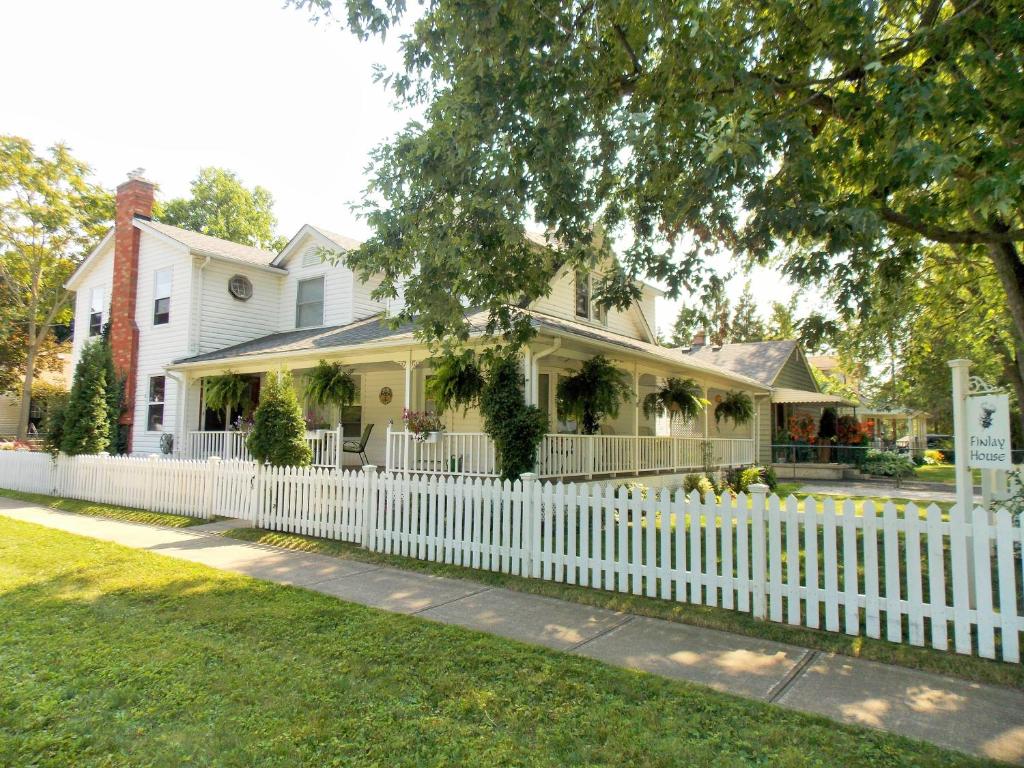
(198, 315)
(555, 345)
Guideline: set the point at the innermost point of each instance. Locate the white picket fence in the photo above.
(201, 489)
(917, 576)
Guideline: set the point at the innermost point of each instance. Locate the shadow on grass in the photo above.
(116, 656)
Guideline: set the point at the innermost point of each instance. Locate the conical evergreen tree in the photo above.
(278, 435)
(87, 418)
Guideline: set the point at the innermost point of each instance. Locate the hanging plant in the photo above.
(229, 390)
(737, 407)
(679, 397)
(457, 382)
(592, 394)
(329, 384)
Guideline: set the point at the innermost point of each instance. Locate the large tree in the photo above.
(850, 132)
(222, 206)
(50, 216)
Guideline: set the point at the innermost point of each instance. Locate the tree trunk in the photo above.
(25, 407)
(1011, 274)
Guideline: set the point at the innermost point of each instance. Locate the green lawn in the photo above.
(127, 514)
(942, 473)
(111, 656)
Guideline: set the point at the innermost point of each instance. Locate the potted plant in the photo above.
(679, 397)
(737, 407)
(457, 381)
(424, 426)
(229, 391)
(592, 393)
(330, 385)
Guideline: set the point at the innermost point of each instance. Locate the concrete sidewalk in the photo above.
(970, 717)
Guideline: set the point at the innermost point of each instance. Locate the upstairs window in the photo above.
(586, 307)
(96, 312)
(155, 411)
(162, 297)
(583, 295)
(309, 303)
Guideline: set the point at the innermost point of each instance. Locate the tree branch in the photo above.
(949, 236)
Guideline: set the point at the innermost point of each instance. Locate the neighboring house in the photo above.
(785, 369)
(893, 426)
(184, 306)
(10, 404)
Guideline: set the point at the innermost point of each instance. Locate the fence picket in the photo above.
(730, 551)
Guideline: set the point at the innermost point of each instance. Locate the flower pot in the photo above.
(432, 437)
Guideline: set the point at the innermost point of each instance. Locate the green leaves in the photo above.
(679, 397)
(736, 406)
(331, 385)
(221, 206)
(817, 138)
(592, 393)
(456, 382)
(278, 436)
(229, 390)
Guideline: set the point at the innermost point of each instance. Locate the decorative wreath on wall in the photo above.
(386, 395)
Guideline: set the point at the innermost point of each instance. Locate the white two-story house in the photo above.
(185, 306)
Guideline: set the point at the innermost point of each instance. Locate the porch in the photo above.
(395, 378)
(567, 456)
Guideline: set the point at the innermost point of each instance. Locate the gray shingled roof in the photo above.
(207, 244)
(376, 328)
(758, 360)
(347, 243)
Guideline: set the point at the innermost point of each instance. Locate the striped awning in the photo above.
(805, 397)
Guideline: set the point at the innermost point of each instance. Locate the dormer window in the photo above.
(583, 295)
(309, 303)
(586, 307)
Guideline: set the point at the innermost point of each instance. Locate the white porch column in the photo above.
(636, 420)
(757, 430)
(529, 375)
(407, 397)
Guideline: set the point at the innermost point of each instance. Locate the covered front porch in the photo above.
(393, 377)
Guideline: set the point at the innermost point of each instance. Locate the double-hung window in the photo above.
(162, 296)
(309, 303)
(586, 307)
(96, 311)
(155, 410)
(583, 295)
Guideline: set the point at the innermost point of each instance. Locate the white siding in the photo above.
(159, 345)
(346, 299)
(223, 320)
(100, 274)
(561, 302)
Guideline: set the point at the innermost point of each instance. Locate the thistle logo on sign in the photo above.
(988, 432)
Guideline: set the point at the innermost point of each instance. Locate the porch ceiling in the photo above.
(802, 397)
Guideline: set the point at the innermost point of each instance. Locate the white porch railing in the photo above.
(325, 446)
(472, 453)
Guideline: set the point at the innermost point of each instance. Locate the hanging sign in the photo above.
(988, 432)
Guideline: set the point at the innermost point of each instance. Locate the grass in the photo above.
(942, 473)
(946, 663)
(94, 509)
(112, 656)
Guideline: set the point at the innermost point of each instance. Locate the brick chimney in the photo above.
(698, 340)
(134, 198)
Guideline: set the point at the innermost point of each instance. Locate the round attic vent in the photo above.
(240, 287)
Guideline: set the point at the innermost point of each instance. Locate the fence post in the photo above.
(151, 461)
(211, 485)
(531, 525)
(370, 492)
(758, 581)
(338, 455)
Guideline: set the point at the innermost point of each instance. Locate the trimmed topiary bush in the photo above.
(278, 435)
(89, 423)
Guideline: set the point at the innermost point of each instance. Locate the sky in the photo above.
(247, 85)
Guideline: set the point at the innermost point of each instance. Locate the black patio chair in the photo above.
(359, 446)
